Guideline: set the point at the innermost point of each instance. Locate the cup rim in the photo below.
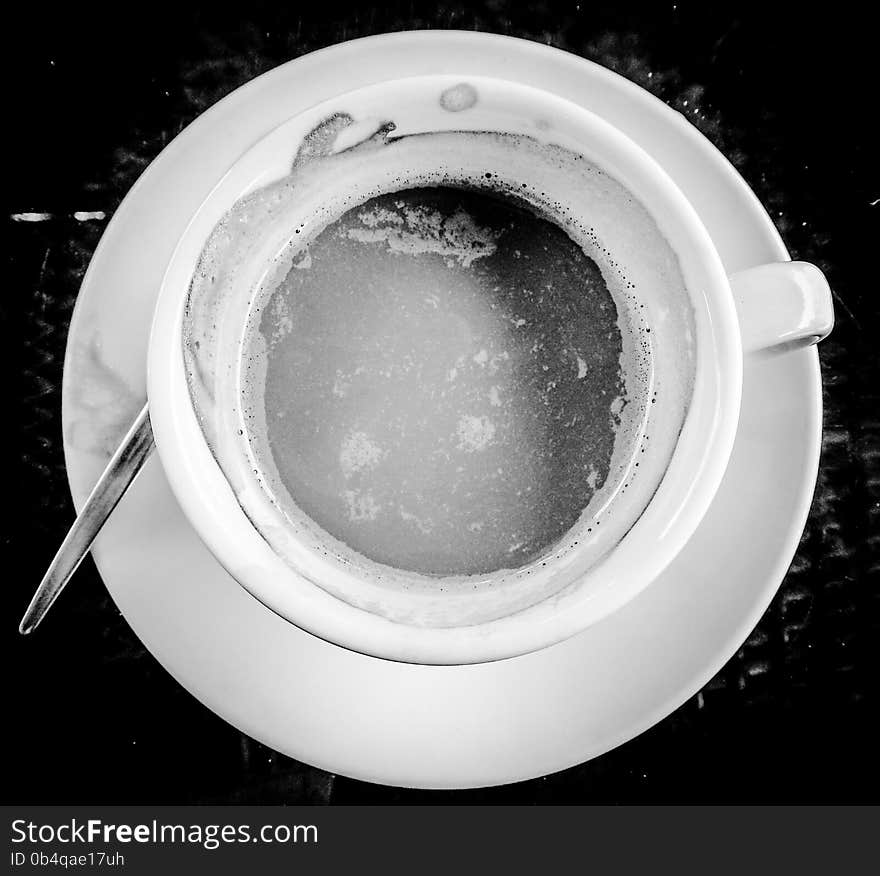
(194, 475)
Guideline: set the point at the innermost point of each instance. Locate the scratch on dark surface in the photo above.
(79, 216)
(30, 217)
(723, 39)
(245, 752)
(42, 272)
(836, 296)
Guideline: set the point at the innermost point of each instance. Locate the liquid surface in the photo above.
(443, 385)
(319, 380)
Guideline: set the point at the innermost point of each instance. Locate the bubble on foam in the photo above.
(361, 505)
(425, 527)
(319, 142)
(274, 225)
(459, 98)
(304, 263)
(475, 433)
(359, 452)
(420, 231)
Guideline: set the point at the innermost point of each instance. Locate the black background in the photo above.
(788, 94)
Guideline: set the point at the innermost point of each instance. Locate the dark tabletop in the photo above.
(787, 94)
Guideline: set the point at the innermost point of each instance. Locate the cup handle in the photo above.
(782, 306)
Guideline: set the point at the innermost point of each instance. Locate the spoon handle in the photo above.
(122, 469)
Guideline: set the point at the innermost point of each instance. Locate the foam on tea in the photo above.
(442, 385)
(447, 362)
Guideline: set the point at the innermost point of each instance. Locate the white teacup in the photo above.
(774, 307)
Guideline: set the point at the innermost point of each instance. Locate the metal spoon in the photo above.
(122, 469)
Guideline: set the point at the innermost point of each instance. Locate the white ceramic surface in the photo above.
(415, 725)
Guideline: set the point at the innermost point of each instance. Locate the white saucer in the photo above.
(436, 727)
